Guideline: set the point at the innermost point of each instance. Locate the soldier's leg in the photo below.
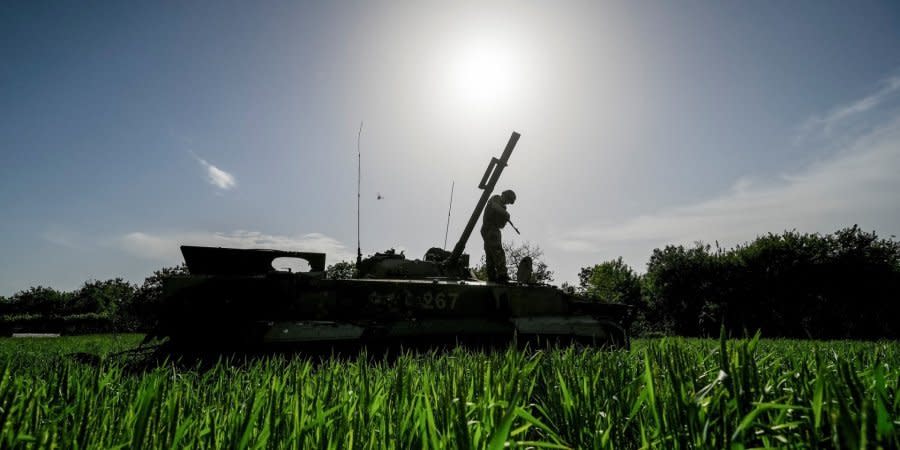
(489, 264)
(500, 260)
(497, 260)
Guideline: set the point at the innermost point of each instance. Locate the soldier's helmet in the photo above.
(508, 196)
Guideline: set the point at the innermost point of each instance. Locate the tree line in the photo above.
(98, 306)
(840, 285)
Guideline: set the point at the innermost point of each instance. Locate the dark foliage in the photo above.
(103, 297)
(615, 282)
(91, 308)
(38, 300)
(144, 310)
(97, 306)
(840, 285)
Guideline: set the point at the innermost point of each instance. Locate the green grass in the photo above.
(674, 393)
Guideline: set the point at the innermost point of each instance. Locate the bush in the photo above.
(141, 314)
(38, 300)
(615, 282)
(105, 297)
(795, 285)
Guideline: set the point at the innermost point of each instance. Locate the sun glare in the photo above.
(483, 75)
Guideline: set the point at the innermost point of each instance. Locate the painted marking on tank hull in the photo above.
(312, 331)
(428, 300)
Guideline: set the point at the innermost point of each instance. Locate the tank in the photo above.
(236, 298)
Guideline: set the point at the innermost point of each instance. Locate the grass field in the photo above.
(674, 393)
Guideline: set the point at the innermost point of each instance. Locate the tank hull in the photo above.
(281, 309)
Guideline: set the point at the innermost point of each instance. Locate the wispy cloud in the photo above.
(63, 237)
(828, 122)
(858, 184)
(216, 176)
(164, 247)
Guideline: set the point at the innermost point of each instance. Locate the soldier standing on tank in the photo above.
(495, 218)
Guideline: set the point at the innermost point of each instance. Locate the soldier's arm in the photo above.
(496, 204)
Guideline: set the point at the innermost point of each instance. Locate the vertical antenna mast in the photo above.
(452, 185)
(358, 184)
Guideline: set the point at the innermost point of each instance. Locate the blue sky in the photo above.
(129, 129)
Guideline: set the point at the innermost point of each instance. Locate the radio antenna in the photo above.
(448, 214)
(358, 184)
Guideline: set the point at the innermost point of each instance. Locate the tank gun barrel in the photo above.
(488, 182)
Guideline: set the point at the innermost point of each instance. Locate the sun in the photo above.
(483, 74)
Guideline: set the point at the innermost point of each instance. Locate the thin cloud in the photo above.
(857, 185)
(827, 123)
(63, 238)
(164, 247)
(216, 176)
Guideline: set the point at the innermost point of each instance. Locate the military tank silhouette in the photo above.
(235, 298)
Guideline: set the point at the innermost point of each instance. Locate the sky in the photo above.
(128, 129)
